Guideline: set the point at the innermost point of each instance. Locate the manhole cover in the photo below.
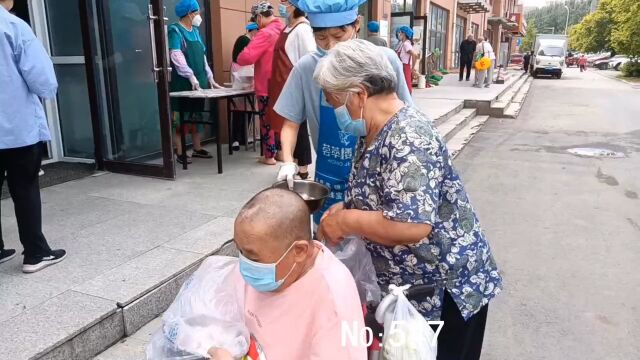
(595, 152)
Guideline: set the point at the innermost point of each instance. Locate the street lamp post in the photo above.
(566, 25)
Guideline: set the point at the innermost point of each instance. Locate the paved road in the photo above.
(565, 229)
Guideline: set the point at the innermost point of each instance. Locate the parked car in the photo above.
(602, 64)
(597, 57)
(617, 61)
(571, 61)
(517, 59)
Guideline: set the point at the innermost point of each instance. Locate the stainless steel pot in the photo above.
(313, 193)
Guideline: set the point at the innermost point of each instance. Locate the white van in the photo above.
(549, 55)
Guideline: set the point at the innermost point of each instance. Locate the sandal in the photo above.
(180, 158)
(202, 153)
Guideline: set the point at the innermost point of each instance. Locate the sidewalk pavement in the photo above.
(124, 236)
(452, 89)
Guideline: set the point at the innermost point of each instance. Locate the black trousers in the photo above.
(465, 63)
(459, 339)
(302, 152)
(20, 166)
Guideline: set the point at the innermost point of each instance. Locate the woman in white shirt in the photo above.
(484, 49)
(294, 42)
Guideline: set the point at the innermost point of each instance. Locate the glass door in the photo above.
(438, 33)
(127, 65)
(459, 36)
(398, 20)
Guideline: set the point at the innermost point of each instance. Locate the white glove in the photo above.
(287, 172)
(195, 85)
(214, 85)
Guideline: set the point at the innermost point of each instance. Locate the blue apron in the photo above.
(334, 151)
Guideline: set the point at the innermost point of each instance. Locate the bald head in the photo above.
(275, 215)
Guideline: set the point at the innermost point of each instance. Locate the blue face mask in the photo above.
(347, 124)
(282, 9)
(262, 277)
(322, 52)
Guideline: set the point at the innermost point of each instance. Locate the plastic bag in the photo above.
(207, 312)
(407, 336)
(242, 77)
(355, 256)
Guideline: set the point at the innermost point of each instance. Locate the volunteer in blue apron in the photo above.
(333, 21)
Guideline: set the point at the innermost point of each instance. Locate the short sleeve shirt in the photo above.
(404, 52)
(407, 174)
(300, 97)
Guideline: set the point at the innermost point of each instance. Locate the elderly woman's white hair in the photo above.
(353, 65)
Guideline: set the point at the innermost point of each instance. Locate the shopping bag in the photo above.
(408, 336)
(242, 77)
(207, 312)
(354, 255)
(483, 64)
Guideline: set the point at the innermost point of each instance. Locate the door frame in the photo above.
(162, 73)
(39, 24)
(425, 41)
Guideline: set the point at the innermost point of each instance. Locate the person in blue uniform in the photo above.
(332, 21)
(190, 72)
(26, 76)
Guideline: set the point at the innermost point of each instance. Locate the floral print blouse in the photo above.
(407, 174)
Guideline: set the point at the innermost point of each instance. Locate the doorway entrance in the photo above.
(126, 58)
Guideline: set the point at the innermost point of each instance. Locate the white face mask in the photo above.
(197, 20)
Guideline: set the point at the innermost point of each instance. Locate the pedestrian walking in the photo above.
(582, 62)
(259, 52)
(467, 48)
(527, 61)
(27, 76)
(373, 27)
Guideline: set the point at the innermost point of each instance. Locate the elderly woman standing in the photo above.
(406, 200)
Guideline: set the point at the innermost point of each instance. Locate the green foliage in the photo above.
(614, 26)
(625, 35)
(631, 69)
(593, 34)
(554, 15)
(530, 38)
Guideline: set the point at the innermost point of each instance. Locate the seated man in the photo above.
(297, 293)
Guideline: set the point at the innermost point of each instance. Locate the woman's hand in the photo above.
(214, 85)
(330, 228)
(332, 210)
(219, 354)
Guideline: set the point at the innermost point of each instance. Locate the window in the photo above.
(551, 51)
(438, 32)
(402, 6)
(459, 36)
(475, 30)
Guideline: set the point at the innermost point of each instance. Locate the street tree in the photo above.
(593, 34)
(529, 39)
(625, 34)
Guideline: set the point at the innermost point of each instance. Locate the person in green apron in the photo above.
(332, 21)
(190, 72)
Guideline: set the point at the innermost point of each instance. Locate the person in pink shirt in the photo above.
(260, 52)
(298, 297)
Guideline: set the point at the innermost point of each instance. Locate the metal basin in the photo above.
(313, 193)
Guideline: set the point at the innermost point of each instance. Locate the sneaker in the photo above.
(235, 146)
(202, 153)
(31, 265)
(41, 172)
(487, 85)
(180, 159)
(6, 255)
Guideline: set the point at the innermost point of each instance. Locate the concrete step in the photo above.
(132, 347)
(451, 127)
(457, 143)
(447, 113)
(513, 109)
(499, 106)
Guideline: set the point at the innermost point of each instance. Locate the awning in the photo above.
(506, 23)
(474, 6)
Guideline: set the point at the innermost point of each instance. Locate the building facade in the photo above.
(111, 59)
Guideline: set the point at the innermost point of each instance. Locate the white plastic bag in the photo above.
(355, 256)
(207, 312)
(242, 77)
(407, 336)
